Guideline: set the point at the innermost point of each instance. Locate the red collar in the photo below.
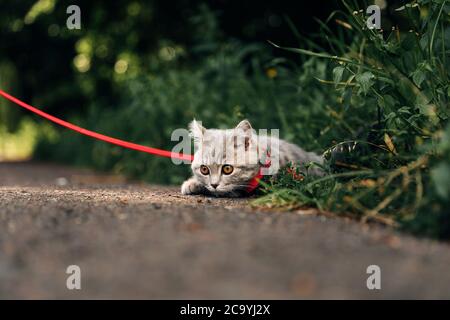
(254, 183)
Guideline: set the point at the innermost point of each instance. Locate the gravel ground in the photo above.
(142, 241)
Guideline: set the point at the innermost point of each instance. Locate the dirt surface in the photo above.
(140, 241)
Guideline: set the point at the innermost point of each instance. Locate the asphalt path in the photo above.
(142, 241)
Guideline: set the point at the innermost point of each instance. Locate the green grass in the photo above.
(394, 100)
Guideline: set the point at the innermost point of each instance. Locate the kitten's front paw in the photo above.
(191, 186)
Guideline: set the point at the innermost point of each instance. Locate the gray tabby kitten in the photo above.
(225, 161)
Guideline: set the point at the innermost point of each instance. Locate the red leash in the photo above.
(122, 143)
(254, 183)
(158, 152)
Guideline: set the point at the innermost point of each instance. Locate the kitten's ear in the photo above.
(245, 126)
(196, 130)
(245, 130)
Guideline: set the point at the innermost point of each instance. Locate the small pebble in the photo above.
(61, 181)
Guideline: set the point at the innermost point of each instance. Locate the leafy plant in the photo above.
(393, 164)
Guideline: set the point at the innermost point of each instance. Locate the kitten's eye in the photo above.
(204, 170)
(227, 169)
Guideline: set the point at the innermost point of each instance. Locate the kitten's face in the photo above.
(225, 161)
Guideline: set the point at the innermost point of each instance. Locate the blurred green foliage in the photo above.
(137, 70)
(220, 91)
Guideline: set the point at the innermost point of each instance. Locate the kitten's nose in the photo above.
(214, 185)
